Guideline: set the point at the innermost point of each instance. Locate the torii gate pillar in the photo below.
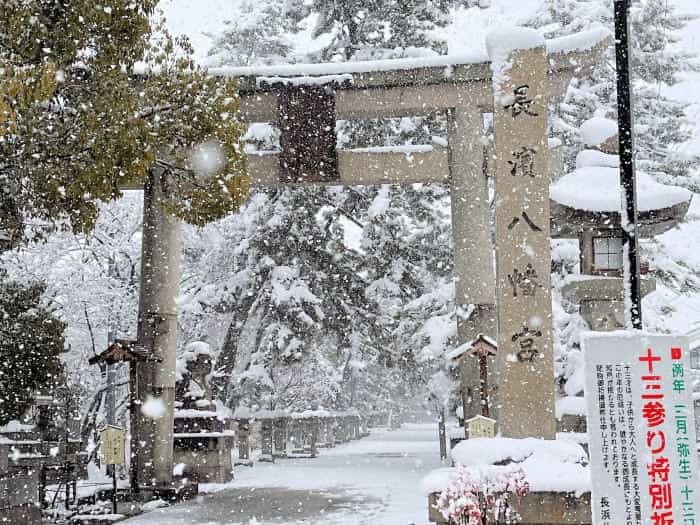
(152, 429)
(475, 295)
(525, 357)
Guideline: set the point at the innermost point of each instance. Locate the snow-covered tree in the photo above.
(260, 36)
(347, 30)
(362, 29)
(660, 122)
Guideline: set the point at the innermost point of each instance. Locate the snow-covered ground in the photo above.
(373, 481)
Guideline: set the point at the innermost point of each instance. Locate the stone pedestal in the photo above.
(280, 437)
(203, 444)
(601, 300)
(326, 435)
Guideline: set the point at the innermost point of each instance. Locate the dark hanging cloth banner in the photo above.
(308, 139)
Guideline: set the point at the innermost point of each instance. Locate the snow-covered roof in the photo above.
(479, 417)
(597, 130)
(187, 413)
(465, 347)
(16, 426)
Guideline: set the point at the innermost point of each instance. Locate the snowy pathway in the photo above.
(373, 481)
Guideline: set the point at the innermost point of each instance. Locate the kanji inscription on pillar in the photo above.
(525, 386)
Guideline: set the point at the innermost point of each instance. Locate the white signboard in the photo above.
(112, 445)
(641, 427)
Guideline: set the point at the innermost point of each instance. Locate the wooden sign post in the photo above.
(112, 440)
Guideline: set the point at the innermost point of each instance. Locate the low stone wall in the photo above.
(538, 508)
(281, 434)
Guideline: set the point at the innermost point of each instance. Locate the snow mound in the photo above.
(15, 426)
(489, 451)
(583, 41)
(196, 348)
(549, 465)
(501, 42)
(590, 158)
(597, 130)
(305, 80)
(597, 188)
(570, 406)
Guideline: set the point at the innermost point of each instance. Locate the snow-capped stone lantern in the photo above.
(203, 437)
(586, 205)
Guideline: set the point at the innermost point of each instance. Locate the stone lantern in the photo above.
(585, 205)
(203, 437)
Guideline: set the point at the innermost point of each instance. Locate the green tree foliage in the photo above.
(103, 126)
(31, 339)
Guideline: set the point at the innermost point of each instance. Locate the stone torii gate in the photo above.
(305, 101)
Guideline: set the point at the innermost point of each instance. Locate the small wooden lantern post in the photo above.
(123, 351)
(483, 347)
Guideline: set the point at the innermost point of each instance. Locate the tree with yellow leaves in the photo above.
(78, 124)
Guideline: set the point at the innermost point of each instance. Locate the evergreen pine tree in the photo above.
(660, 122)
(354, 30)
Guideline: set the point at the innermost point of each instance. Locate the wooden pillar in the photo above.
(525, 352)
(484, 385)
(157, 326)
(442, 434)
(473, 248)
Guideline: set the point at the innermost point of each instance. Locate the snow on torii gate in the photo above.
(516, 85)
